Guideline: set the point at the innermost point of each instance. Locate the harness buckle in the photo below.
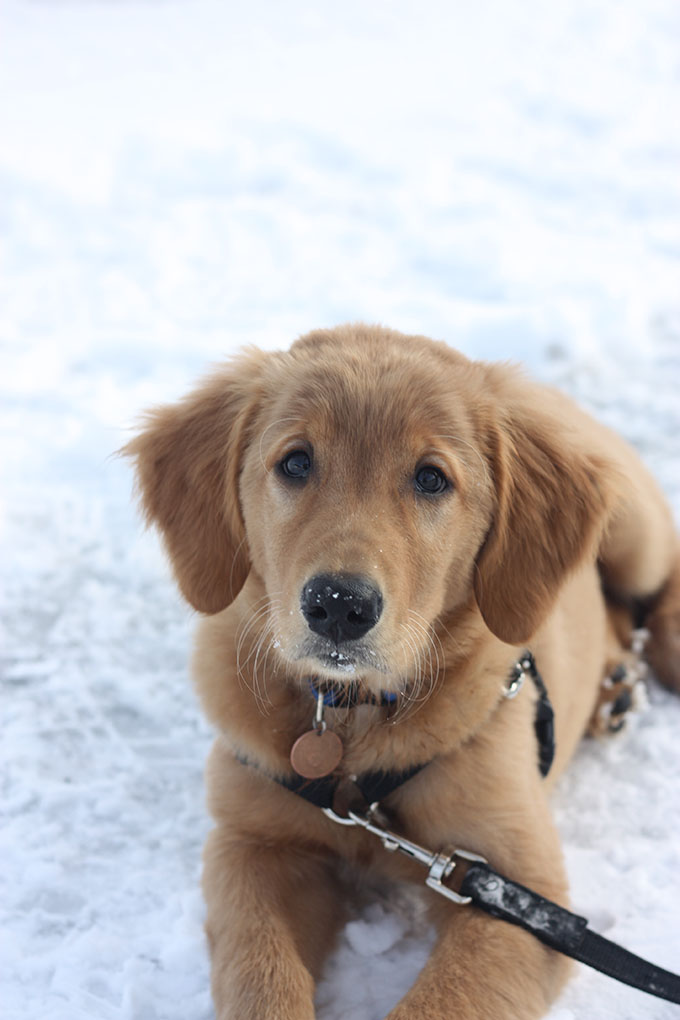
(525, 666)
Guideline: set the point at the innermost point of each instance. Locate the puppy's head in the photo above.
(370, 483)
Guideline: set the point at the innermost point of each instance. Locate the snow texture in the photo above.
(181, 178)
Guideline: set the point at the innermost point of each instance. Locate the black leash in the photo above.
(566, 932)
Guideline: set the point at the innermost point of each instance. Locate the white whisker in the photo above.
(428, 664)
(233, 566)
(264, 638)
(263, 610)
(431, 636)
(264, 432)
(485, 466)
(413, 695)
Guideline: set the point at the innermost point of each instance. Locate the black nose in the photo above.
(342, 608)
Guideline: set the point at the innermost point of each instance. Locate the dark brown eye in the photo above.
(430, 480)
(296, 464)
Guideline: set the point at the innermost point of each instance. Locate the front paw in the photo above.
(262, 1006)
(269, 988)
(432, 1008)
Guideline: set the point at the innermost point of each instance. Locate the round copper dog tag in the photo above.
(316, 754)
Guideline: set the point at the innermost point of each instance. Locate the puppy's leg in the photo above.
(482, 968)
(273, 912)
(664, 627)
(640, 558)
(640, 542)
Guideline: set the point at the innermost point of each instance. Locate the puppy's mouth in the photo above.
(336, 660)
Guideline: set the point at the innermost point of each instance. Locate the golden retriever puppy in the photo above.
(375, 513)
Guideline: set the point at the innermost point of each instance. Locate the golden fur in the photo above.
(545, 508)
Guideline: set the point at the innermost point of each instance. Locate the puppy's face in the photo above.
(366, 496)
(370, 482)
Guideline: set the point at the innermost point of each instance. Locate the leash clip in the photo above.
(440, 864)
(443, 866)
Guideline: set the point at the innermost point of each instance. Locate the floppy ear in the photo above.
(552, 501)
(187, 466)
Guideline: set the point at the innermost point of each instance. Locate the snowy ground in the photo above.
(180, 178)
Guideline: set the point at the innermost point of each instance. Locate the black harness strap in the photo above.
(566, 932)
(373, 786)
(544, 719)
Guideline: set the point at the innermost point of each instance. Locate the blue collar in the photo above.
(349, 695)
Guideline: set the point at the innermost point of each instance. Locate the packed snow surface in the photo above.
(182, 178)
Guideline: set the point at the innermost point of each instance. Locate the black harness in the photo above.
(376, 786)
(357, 802)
